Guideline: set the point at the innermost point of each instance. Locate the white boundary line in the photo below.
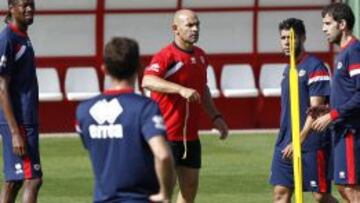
(201, 132)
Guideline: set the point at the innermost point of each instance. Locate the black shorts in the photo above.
(193, 158)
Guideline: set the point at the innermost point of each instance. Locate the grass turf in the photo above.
(234, 171)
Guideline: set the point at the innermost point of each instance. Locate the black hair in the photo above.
(121, 57)
(296, 24)
(340, 11)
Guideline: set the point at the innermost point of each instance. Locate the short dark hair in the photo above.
(340, 11)
(121, 57)
(8, 14)
(296, 24)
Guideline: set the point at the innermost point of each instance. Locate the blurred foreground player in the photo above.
(19, 105)
(314, 89)
(125, 135)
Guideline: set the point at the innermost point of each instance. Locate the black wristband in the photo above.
(216, 117)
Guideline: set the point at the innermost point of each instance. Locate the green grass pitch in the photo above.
(234, 171)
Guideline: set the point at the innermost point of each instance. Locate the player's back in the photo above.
(114, 128)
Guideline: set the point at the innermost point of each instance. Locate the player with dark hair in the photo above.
(314, 88)
(344, 117)
(124, 134)
(177, 79)
(19, 105)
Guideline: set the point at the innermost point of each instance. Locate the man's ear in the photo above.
(11, 9)
(303, 38)
(342, 24)
(174, 28)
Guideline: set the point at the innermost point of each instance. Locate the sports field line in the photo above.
(202, 132)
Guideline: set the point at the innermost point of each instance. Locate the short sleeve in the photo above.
(79, 128)
(319, 81)
(159, 64)
(152, 122)
(6, 61)
(354, 66)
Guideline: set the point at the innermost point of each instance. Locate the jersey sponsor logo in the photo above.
(193, 60)
(106, 131)
(37, 167)
(105, 114)
(159, 122)
(342, 174)
(3, 61)
(339, 65)
(313, 183)
(302, 72)
(154, 67)
(18, 168)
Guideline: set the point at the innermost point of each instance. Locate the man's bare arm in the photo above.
(314, 101)
(155, 83)
(216, 117)
(17, 139)
(164, 165)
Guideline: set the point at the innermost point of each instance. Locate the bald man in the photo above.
(177, 80)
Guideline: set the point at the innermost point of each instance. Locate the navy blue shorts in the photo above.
(26, 167)
(128, 199)
(346, 157)
(315, 166)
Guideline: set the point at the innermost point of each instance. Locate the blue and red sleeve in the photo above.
(352, 106)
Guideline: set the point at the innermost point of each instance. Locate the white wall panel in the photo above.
(65, 4)
(152, 31)
(63, 35)
(268, 33)
(226, 32)
(2, 23)
(216, 3)
(294, 2)
(3, 5)
(135, 4)
(59, 4)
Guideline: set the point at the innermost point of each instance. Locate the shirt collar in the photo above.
(15, 29)
(118, 91)
(353, 39)
(301, 57)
